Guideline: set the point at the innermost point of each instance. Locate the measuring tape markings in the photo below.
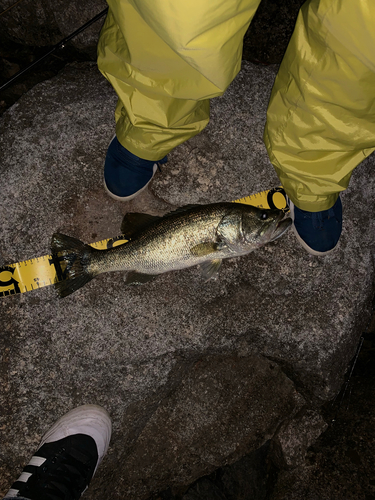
(39, 272)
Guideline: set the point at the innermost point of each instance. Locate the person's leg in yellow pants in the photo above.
(166, 59)
(321, 115)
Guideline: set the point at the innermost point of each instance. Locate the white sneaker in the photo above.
(67, 457)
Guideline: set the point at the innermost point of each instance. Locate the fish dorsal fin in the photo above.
(134, 222)
(183, 209)
(210, 269)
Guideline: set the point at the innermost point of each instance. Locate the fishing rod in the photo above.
(10, 7)
(60, 45)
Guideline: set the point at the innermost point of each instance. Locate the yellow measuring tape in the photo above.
(43, 271)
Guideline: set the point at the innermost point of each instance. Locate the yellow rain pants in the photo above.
(321, 115)
(167, 58)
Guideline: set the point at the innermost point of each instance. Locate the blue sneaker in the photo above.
(318, 232)
(126, 175)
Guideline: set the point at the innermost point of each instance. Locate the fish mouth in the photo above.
(281, 227)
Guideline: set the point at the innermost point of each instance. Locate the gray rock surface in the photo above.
(295, 436)
(218, 410)
(272, 336)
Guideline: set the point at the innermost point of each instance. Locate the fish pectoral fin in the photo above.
(210, 269)
(136, 278)
(203, 249)
(134, 222)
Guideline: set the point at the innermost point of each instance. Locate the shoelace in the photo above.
(317, 220)
(317, 217)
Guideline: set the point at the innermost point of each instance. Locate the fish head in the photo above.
(260, 226)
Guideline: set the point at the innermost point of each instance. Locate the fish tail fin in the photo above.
(71, 258)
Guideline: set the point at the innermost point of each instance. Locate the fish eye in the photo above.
(264, 215)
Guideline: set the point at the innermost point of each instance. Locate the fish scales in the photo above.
(166, 245)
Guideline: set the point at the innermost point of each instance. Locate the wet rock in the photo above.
(46, 23)
(270, 30)
(292, 440)
(252, 477)
(223, 408)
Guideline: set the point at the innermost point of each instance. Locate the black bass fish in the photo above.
(191, 235)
